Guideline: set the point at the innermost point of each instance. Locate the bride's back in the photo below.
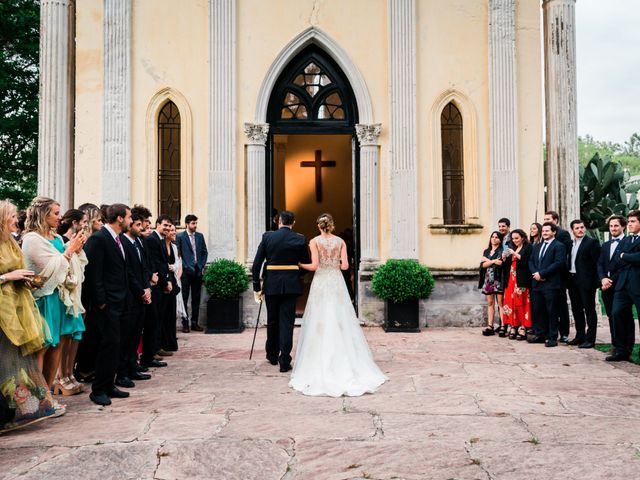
(328, 251)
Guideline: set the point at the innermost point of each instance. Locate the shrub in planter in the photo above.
(225, 281)
(401, 283)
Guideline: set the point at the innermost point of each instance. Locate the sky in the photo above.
(608, 68)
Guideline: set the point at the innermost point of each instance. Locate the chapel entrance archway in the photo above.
(312, 157)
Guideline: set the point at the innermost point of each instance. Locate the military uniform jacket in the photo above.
(282, 247)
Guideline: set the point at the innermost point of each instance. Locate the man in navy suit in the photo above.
(617, 224)
(626, 265)
(583, 284)
(193, 251)
(106, 291)
(547, 265)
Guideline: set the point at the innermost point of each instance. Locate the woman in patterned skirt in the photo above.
(517, 307)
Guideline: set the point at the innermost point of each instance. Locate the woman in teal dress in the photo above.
(63, 270)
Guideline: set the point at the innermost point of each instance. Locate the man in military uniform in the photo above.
(280, 251)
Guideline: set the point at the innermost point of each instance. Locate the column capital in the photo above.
(256, 133)
(368, 133)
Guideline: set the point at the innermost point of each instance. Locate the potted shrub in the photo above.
(401, 283)
(225, 281)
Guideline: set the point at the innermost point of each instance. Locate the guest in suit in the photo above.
(159, 260)
(106, 286)
(563, 237)
(169, 339)
(547, 266)
(616, 224)
(517, 307)
(583, 283)
(625, 264)
(193, 251)
(138, 296)
(535, 233)
(490, 282)
(282, 250)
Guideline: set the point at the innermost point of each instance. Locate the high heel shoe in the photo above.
(76, 384)
(65, 387)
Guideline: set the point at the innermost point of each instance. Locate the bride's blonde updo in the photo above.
(325, 223)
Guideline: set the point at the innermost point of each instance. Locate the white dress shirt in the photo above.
(574, 252)
(115, 239)
(614, 245)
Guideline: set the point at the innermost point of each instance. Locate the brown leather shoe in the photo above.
(164, 353)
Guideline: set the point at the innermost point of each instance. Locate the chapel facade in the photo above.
(416, 123)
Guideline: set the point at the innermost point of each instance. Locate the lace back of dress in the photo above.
(329, 252)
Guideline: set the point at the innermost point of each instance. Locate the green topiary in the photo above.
(225, 279)
(402, 280)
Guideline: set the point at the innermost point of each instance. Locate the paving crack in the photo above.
(193, 380)
(377, 423)
(292, 462)
(159, 455)
(476, 461)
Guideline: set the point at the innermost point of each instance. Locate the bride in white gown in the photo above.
(332, 357)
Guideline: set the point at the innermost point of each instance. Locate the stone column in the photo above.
(256, 206)
(504, 110)
(561, 117)
(223, 242)
(369, 180)
(116, 166)
(402, 84)
(56, 105)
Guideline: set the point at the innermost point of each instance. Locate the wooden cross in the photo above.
(318, 164)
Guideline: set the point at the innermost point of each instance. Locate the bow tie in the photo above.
(615, 240)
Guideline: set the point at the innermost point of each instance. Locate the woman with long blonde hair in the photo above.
(63, 271)
(24, 392)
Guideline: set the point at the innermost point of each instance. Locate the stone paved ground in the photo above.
(457, 406)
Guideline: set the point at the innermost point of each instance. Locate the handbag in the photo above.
(491, 285)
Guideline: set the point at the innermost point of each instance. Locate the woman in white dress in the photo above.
(332, 356)
(176, 268)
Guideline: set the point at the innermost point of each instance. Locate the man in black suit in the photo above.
(583, 284)
(547, 264)
(193, 251)
(616, 224)
(564, 238)
(138, 296)
(282, 250)
(159, 263)
(106, 284)
(626, 265)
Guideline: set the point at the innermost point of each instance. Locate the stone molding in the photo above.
(256, 133)
(222, 192)
(503, 90)
(116, 149)
(314, 35)
(561, 103)
(403, 145)
(470, 148)
(368, 134)
(186, 148)
(56, 102)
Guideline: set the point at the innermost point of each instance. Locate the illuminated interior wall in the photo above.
(299, 182)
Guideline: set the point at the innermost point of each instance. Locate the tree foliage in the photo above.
(602, 192)
(19, 48)
(626, 154)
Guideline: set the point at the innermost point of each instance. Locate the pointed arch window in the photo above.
(169, 161)
(452, 165)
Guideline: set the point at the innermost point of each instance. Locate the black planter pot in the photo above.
(224, 315)
(402, 317)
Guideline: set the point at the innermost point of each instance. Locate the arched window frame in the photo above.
(157, 102)
(470, 149)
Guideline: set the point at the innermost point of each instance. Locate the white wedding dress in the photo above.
(332, 356)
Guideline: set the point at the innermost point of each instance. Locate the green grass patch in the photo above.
(605, 347)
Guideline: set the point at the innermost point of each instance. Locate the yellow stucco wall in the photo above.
(170, 49)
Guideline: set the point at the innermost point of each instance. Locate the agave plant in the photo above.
(602, 193)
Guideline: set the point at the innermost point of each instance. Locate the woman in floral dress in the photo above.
(517, 308)
(24, 395)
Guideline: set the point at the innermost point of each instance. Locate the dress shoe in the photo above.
(586, 345)
(124, 382)
(272, 361)
(564, 339)
(139, 376)
(100, 399)
(155, 364)
(185, 329)
(141, 368)
(196, 328)
(576, 341)
(117, 393)
(617, 357)
(536, 339)
(285, 368)
(165, 353)
(551, 343)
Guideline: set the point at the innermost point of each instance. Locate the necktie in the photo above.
(119, 245)
(544, 249)
(633, 238)
(135, 244)
(192, 238)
